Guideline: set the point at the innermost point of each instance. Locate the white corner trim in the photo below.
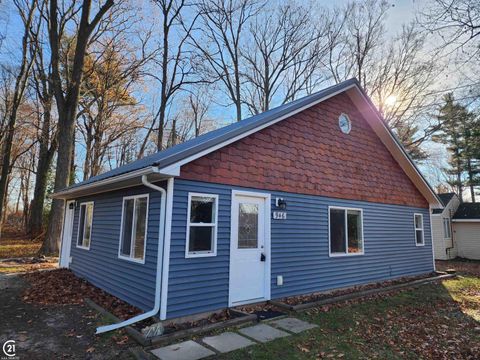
(330, 254)
(132, 241)
(198, 254)
(431, 239)
(86, 203)
(166, 249)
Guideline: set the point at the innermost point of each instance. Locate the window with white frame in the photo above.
(201, 225)
(85, 221)
(419, 239)
(133, 234)
(345, 231)
(447, 228)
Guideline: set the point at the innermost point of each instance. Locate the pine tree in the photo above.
(453, 116)
(472, 153)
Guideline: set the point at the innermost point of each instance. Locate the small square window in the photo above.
(201, 225)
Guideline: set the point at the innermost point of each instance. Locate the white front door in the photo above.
(249, 248)
(67, 234)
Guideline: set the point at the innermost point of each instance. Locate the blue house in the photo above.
(313, 195)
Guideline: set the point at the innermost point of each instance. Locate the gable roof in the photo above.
(167, 163)
(467, 211)
(445, 199)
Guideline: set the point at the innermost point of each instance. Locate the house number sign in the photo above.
(280, 215)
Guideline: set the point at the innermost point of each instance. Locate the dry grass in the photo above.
(18, 248)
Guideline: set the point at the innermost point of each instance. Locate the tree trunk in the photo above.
(44, 163)
(66, 132)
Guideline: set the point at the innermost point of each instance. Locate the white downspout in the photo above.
(160, 259)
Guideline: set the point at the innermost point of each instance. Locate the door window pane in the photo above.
(248, 226)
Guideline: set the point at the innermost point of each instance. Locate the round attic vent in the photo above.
(344, 123)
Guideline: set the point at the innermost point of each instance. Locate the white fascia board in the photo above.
(398, 153)
(466, 220)
(96, 187)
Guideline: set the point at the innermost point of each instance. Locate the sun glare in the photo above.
(391, 100)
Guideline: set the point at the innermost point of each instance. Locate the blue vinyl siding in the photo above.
(299, 249)
(130, 281)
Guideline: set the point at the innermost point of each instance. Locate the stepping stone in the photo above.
(262, 332)
(293, 325)
(187, 350)
(228, 341)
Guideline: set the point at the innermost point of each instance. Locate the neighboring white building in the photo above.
(456, 229)
(466, 230)
(442, 234)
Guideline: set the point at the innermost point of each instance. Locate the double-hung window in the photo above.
(85, 221)
(419, 238)
(201, 225)
(133, 233)
(447, 228)
(345, 231)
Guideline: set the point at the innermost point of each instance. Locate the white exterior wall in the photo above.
(439, 242)
(467, 239)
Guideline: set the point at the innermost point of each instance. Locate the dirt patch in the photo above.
(62, 287)
(309, 298)
(27, 264)
(55, 331)
(464, 266)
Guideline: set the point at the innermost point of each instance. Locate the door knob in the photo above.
(262, 257)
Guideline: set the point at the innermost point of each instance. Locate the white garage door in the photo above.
(467, 239)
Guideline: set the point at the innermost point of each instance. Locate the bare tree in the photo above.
(174, 60)
(66, 91)
(26, 11)
(456, 21)
(282, 57)
(46, 134)
(220, 40)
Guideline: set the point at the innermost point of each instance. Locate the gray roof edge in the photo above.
(216, 137)
(259, 120)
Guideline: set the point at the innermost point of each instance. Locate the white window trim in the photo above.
(132, 244)
(78, 226)
(422, 228)
(330, 254)
(198, 254)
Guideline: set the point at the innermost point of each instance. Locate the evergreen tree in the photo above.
(453, 116)
(472, 153)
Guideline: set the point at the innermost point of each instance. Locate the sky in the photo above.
(401, 12)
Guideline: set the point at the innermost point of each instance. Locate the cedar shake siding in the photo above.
(308, 154)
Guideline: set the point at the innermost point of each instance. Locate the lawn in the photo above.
(24, 252)
(436, 321)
